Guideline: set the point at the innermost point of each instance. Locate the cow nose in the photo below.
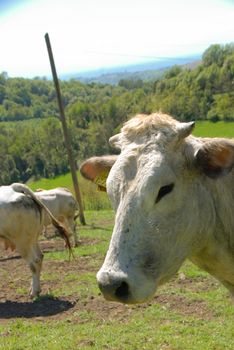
(113, 287)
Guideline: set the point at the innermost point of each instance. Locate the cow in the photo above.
(63, 206)
(173, 196)
(21, 223)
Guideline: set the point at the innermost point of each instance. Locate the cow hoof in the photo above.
(33, 295)
(77, 244)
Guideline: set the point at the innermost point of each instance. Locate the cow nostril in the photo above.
(122, 291)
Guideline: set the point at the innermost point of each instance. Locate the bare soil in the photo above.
(15, 280)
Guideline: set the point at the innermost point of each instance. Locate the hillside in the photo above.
(115, 78)
(31, 140)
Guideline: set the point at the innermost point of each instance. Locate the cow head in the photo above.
(155, 189)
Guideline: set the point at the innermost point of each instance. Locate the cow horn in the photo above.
(185, 129)
(114, 141)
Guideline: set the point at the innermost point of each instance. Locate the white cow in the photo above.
(21, 223)
(174, 199)
(63, 206)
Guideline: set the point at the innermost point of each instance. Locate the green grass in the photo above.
(219, 129)
(47, 184)
(189, 314)
(92, 198)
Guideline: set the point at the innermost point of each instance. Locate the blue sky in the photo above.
(92, 34)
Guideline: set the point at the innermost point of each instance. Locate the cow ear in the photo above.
(96, 169)
(215, 157)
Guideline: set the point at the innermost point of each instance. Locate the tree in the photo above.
(222, 108)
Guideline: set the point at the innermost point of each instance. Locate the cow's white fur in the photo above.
(63, 206)
(195, 220)
(21, 223)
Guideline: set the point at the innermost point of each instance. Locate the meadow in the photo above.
(193, 311)
(219, 129)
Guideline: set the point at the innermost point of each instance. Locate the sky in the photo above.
(93, 34)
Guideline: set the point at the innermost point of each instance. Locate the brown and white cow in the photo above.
(21, 223)
(63, 206)
(173, 195)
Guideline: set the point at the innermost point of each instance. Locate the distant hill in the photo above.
(31, 140)
(144, 71)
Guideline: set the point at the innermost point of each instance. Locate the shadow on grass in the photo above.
(13, 257)
(44, 306)
(94, 227)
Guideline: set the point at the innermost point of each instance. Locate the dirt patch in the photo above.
(183, 306)
(15, 279)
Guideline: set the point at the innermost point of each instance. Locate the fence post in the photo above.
(65, 131)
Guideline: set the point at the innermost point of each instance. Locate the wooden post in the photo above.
(65, 131)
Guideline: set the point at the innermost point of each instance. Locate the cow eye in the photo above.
(163, 191)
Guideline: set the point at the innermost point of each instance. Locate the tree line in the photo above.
(31, 140)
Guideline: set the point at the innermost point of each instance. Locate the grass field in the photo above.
(219, 129)
(191, 312)
(91, 198)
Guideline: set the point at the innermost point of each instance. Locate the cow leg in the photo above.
(71, 223)
(35, 263)
(75, 234)
(34, 257)
(44, 232)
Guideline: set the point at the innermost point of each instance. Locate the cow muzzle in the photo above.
(114, 286)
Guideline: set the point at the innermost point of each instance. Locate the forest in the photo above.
(31, 140)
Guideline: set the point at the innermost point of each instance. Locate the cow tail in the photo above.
(18, 187)
(62, 232)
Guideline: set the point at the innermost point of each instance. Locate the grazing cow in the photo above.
(21, 223)
(63, 206)
(173, 195)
